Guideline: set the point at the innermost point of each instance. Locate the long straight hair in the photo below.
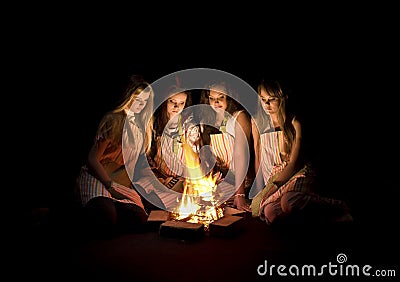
(136, 85)
(263, 121)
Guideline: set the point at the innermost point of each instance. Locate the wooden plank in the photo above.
(232, 211)
(158, 216)
(181, 229)
(226, 226)
(226, 221)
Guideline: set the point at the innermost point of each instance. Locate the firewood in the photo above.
(158, 216)
(232, 211)
(181, 229)
(226, 226)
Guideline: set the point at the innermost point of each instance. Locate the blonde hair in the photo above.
(113, 122)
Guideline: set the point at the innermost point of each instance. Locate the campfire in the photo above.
(201, 209)
(199, 203)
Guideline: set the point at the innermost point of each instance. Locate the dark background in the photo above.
(334, 91)
(70, 64)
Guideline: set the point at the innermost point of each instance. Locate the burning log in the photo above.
(200, 204)
(225, 226)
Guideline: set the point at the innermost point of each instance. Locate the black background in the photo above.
(71, 63)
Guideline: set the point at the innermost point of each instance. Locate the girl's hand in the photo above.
(240, 203)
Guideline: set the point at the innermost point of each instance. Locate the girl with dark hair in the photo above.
(172, 124)
(226, 129)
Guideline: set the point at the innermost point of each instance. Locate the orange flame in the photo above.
(198, 203)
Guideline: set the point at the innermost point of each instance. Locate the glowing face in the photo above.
(270, 104)
(218, 100)
(175, 104)
(140, 102)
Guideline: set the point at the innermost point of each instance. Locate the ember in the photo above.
(198, 203)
